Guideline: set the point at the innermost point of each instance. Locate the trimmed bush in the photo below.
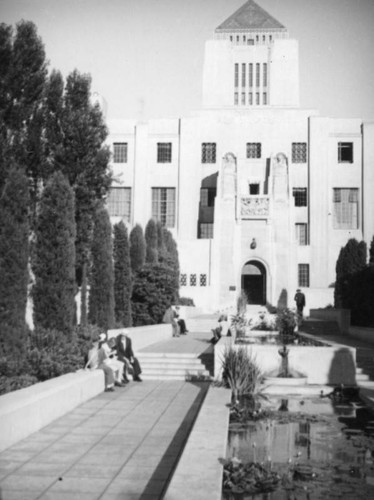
(122, 276)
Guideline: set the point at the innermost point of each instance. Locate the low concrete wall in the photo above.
(362, 333)
(143, 336)
(27, 410)
(333, 364)
(341, 316)
(199, 471)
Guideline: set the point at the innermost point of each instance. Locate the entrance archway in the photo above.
(254, 282)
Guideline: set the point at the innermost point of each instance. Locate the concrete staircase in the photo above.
(172, 366)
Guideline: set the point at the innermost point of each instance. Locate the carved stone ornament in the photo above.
(229, 176)
(254, 207)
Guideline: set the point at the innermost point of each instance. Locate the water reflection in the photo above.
(336, 442)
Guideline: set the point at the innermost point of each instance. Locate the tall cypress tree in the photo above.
(137, 248)
(151, 255)
(122, 275)
(101, 296)
(54, 257)
(14, 234)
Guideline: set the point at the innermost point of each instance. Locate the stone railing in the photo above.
(254, 207)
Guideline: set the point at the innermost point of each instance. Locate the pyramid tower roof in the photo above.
(248, 17)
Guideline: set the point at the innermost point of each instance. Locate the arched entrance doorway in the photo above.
(254, 282)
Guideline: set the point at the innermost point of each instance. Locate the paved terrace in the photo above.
(122, 445)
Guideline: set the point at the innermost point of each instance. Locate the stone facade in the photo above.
(259, 193)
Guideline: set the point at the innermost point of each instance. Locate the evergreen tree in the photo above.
(54, 257)
(137, 248)
(14, 234)
(371, 252)
(122, 275)
(352, 258)
(151, 255)
(172, 260)
(101, 297)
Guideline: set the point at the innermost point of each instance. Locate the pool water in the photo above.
(331, 443)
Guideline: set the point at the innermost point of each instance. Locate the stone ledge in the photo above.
(199, 470)
(27, 410)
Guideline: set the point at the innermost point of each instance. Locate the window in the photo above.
(345, 152)
(183, 280)
(236, 76)
(257, 98)
(208, 152)
(250, 75)
(120, 152)
(300, 195)
(164, 152)
(257, 74)
(301, 234)
(243, 98)
(243, 75)
(303, 275)
(206, 231)
(345, 214)
(192, 279)
(264, 99)
(250, 41)
(299, 152)
(202, 279)
(163, 206)
(119, 202)
(254, 189)
(236, 98)
(207, 196)
(253, 149)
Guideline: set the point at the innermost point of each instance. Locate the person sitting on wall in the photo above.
(125, 352)
(181, 320)
(93, 364)
(107, 357)
(221, 330)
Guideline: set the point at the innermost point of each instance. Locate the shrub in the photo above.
(186, 301)
(286, 321)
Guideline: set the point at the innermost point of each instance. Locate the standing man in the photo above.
(300, 303)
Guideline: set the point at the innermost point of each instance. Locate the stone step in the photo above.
(172, 376)
(167, 355)
(171, 364)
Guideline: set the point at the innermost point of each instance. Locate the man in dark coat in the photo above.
(300, 302)
(126, 354)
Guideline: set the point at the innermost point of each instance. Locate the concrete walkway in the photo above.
(123, 445)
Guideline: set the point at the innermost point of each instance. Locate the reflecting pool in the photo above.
(321, 449)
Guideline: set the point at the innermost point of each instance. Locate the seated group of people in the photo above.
(116, 358)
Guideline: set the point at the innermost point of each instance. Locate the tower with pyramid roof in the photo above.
(251, 62)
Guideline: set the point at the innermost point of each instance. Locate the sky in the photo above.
(146, 57)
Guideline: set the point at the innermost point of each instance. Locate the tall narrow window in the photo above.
(206, 230)
(265, 75)
(208, 196)
(119, 202)
(164, 152)
(163, 206)
(303, 275)
(301, 231)
(253, 149)
(243, 75)
(264, 99)
(258, 98)
(120, 152)
(250, 98)
(300, 196)
(203, 280)
(257, 74)
(208, 152)
(183, 279)
(192, 279)
(299, 152)
(345, 204)
(250, 74)
(243, 98)
(345, 152)
(236, 98)
(236, 76)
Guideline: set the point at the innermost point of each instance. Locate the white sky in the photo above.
(146, 56)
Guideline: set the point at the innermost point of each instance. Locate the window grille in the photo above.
(236, 75)
(243, 98)
(257, 74)
(206, 230)
(299, 152)
(202, 279)
(250, 99)
(250, 75)
(192, 279)
(264, 99)
(119, 202)
(265, 75)
(303, 275)
(164, 152)
(208, 152)
(163, 206)
(301, 234)
(300, 196)
(253, 149)
(183, 279)
(345, 213)
(243, 74)
(120, 152)
(257, 98)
